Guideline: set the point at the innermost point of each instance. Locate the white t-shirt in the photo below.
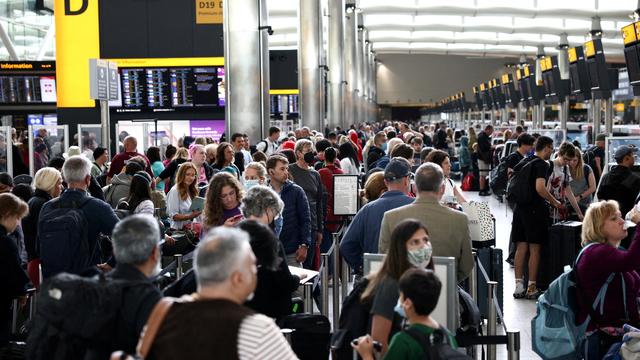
(175, 205)
(557, 184)
(145, 207)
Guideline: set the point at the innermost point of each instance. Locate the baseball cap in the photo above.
(397, 168)
(601, 137)
(623, 151)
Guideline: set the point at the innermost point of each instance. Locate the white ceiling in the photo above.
(503, 28)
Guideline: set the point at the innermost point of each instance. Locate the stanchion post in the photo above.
(178, 265)
(473, 278)
(287, 334)
(325, 284)
(32, 303)
(336, 281)
(491, 318)
(513, 344)
(14, 316)
(344, 279)
(308, 297)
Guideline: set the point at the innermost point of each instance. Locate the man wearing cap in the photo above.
(448, 229)
(6, 182)
(621, 184)
(363, 233)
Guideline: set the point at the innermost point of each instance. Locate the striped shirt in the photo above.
(260, 338)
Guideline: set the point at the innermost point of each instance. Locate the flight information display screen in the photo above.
(171, 88)
(27, 83)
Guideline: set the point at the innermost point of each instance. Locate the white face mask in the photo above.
(248, 184)
(420, 257)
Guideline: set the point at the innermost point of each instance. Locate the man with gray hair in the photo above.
(225, 269)
(54, 223)
(135, 247)
(448, 229)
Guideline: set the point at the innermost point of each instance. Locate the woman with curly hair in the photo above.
(222, 202)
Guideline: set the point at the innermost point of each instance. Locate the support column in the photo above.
(335, 113)
(597, 117)
(246, 59)
(359, 114)
(365, 76)
(608, 116)
(370, 58)
(563, 113)
(350, 67)
(309, 76)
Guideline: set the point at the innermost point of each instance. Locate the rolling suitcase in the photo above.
(561, 250)
(490, 258)
(311, 337)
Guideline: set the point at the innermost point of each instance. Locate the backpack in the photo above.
(519, 185)
(554, 332)
(589, 157)
(435, 346)
(353, 322)
(64, 240)
(498, 177)
(76, 318)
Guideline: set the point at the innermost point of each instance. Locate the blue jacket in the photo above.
(296, 226)
(100, 217)
(464, 155)
(363, 233)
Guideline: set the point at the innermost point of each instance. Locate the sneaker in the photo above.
(533, 292)
(520, 291)
(484, 193)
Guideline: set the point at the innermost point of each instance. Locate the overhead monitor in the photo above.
(171, 89)
(511, 95)
(579, 82)
(25, 83)
(602, 79)
(632, 55)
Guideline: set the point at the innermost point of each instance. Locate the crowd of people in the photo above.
(249, 212)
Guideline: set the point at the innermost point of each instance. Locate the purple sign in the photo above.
(206, 128)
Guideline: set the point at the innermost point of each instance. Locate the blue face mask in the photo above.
(400, 310)
(384, 147)
(248, 184)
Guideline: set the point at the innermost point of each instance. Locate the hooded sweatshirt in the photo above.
(118, 189)
(622, 185)
(465, 154)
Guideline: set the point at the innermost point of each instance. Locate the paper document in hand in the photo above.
(304, 274)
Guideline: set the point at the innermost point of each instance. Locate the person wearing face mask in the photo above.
(136, 249)
(14, 278)
(419, 293)
(226, 276)
(309, 180)
(448, 228)
(409, 248)
(254, 174)
(326, 175)
(99, 216)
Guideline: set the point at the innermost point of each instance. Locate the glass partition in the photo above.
(89, 137)
(557, 135)
(614, 142)
(45, 143)
(6, 155)
(582, 136)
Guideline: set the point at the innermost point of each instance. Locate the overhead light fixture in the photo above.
(596, 28)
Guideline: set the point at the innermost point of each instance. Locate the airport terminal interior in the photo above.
(319, 179)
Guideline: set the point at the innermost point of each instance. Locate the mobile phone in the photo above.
(376, 345)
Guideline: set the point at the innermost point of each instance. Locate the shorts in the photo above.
(484, 167)
(530, 224)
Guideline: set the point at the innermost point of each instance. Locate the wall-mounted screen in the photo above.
(169, 89)
(27, 83)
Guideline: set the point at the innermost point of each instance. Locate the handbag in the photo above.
(467, 182)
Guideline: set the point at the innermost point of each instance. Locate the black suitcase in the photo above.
(311, 336)
(491, 260)
(561, 250)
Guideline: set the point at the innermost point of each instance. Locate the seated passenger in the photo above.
(135, 247)
(419, 293)
(603, 226)
(213, 323)
(409, 247)
(448, 229)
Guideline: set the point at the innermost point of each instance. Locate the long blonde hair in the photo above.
(594, 218)
(578, 172)
(183, 189)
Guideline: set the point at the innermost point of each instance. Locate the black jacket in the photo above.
(30, 223)
(137, 303)
(621, 185)
(14, 280)
(373, 155)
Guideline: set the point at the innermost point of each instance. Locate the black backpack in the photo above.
(76, 318)
(498, 177)
(311, 337)
(64, 240)
(589, 157)
(519, 189)
(435, 346)
(353, 323)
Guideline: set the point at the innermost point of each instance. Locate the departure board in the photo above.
(27, 83)
(171, 88)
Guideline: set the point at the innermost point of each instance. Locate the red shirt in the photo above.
(117, 163)
(326, 176)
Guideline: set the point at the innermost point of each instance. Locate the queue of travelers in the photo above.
(250, 212)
